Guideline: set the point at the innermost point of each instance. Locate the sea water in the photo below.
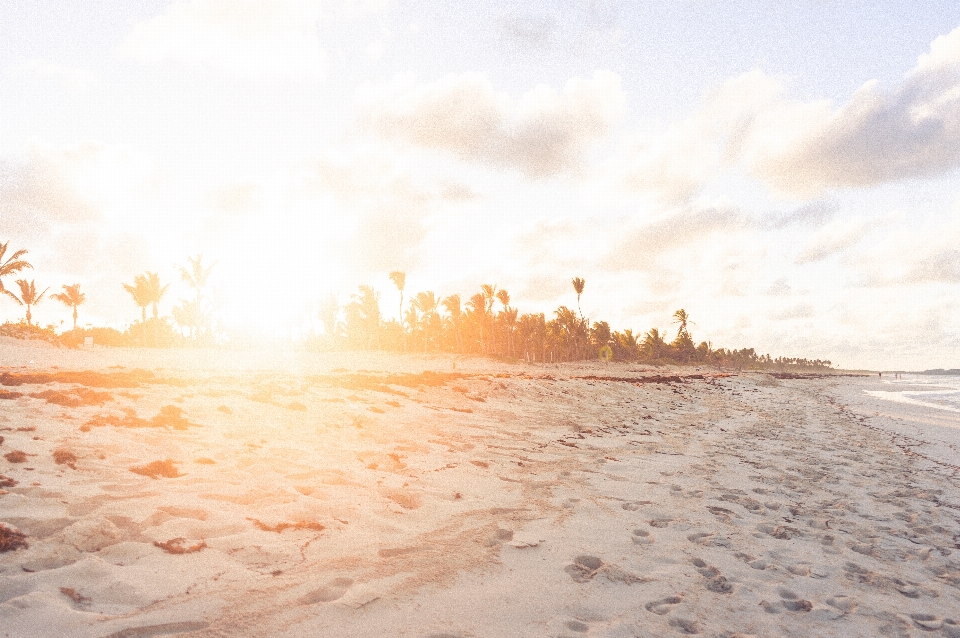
(939, 391)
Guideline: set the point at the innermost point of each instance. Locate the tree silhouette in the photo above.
(198, 275)
(156, 290)
(452, 305)
(399, 280)
(578, 284)
(71, 297)
(12, 265)
(653, 345)
(682, 318)
(142, 296)
(29, 296)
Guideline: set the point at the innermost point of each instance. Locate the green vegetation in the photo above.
(486, 324)
(479, 328)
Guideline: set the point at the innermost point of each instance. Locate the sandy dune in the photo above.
(285, 494)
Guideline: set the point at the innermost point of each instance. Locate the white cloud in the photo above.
(673, 164)
(639, 247)
(246, 38)
(806, 148)
(542, 133)
(832, 239)
(876, 137)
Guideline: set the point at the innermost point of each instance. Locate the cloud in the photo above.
(674, 163)
(245, 38)
(779, 288)
(814, 214)
(800, 311)
(834, 238)
(876, 137)
(639, 247)
(530, 32)
(542, 133)
(911, 131)
(942, 266)
(386, 207)
(41, 191)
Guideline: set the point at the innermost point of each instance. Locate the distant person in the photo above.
(880, 374)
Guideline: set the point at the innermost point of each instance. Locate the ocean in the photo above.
(941, 392)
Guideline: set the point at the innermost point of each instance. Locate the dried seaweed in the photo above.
(17, 456)
(65, 457)
(279, 527)
(11, 539)
(176, 546)
(73, 398)
(74, 595)
(157, 469)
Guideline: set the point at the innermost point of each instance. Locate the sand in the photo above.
(293, 494)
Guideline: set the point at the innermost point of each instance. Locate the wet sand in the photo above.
(288, 494)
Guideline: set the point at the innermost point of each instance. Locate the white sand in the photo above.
(516, 501)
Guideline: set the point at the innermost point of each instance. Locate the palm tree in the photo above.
(142, 296)
(71, 296)
(12, 265)
(681, 317)
(477, 307)
(452, 305)
(489, 292)
(197, 276)
(578, 284)
(399, 280)
(29, 296)
(653, 344)
(156, 290)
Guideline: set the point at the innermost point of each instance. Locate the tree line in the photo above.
(484, 324)
(487, 324)
(193, 317)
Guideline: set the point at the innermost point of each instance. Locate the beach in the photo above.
(283, 493)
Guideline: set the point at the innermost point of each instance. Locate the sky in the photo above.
(787, 172)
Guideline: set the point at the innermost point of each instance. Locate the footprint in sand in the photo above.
(660, 522)
(846, 604)
(927, 622)
(716, 582)
(578, 626)
(700, 538)
(333, 591)
(642, 537)
(633, 506)
(159, 630)
(584, 568)
(792, 602)
(663, 606)
(951, 627)
(685, 626)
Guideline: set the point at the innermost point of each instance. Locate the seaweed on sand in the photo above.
(169, 416)
(73, 398)
(17, 456)
(157, 469)
(65, 457)
(279, 527)
(11, 539)
(74, 595)
(176, 546)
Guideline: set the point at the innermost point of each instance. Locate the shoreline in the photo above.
(366, 493)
